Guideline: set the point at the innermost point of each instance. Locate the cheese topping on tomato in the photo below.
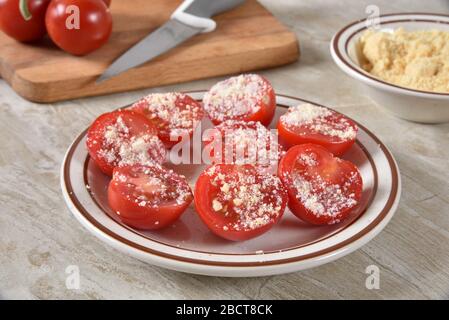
(176, 114)
(308, 160)
(154, 185)
(236, 97)
(249, 143)
(321, 197)
(317, 120)
(255, 198)
(120, 149)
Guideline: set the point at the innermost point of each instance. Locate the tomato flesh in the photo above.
(309, 123)
(148, 197)
(122, 138)
(247, 97)
(92, 31)
(240, 142)
(173, 114)
(238, 202)
(15, 26)
(322, 189)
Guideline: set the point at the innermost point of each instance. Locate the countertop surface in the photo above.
(39, 237)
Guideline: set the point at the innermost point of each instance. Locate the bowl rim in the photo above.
(357, 72)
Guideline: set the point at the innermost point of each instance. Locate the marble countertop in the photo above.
(39, 237)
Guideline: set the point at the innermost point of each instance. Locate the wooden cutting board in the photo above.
(247, 38)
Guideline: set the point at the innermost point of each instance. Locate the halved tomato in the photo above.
(248, 97)
(148, 197)
(322, 189)
(240, 142)
(238, 202)
(309, 123)
(122, 138)
(173, 114)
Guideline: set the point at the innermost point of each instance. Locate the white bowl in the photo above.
(406, 103)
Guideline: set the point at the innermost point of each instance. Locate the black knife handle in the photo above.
(210, 8)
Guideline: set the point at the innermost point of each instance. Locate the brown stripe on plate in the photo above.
(367, 229)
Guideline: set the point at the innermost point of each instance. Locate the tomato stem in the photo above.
(24, 10)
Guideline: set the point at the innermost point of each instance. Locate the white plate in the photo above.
(189, 246)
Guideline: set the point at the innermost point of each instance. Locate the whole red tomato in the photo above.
(13, 23)
(79, 26)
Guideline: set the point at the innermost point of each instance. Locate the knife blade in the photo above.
(191, 18)
(168, 36)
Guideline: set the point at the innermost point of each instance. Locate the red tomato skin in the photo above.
(270, 108)
(143, 218)
(290, 139)
(15, 26)
(140, 107)
(96, 130)
(265, 114)
(107, 2)
(287, 163)
(95, 25)
(203, 189)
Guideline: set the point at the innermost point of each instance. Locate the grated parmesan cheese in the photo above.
(153, 185)
(174, 113)
(308, 160)
(255, 199)
(319, 120)
(216, 205)
(120, 148)
(247, 143)
(323, 198)
(237, 97)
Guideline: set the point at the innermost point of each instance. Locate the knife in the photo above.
(189, 19)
